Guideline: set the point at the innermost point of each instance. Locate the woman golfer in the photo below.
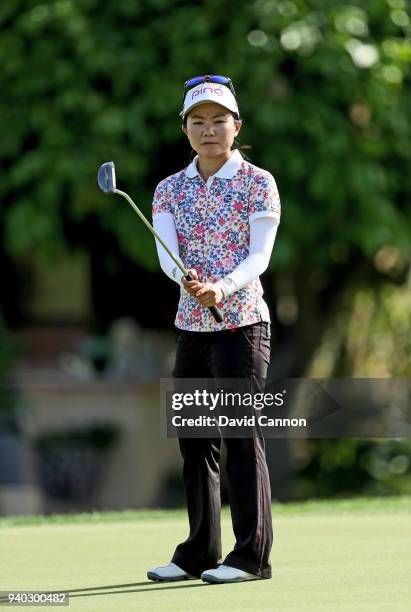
(220, 216)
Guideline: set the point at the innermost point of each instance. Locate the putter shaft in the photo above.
(152, 230)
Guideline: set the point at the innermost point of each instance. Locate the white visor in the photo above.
(210, 92)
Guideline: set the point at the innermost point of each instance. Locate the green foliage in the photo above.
(323, 89)
(368, 334)
(340, 468)
(366, 337)
(100, 437)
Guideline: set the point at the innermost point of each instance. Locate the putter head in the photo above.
(106, 177)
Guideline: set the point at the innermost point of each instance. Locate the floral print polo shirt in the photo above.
(213, 227)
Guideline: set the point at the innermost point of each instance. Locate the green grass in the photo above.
(394, 504)
(327, 556)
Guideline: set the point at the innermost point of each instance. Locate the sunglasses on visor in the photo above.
(208, 78)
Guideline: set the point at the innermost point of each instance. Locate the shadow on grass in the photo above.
(154, 586)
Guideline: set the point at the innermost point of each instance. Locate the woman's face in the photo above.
(211, 129)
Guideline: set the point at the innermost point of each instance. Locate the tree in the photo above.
(322, 86)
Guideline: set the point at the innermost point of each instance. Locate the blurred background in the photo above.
(86, 316)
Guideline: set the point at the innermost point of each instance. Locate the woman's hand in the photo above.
(209, 295)
(206, 294)
(194, 285)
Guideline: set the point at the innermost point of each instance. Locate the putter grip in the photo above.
(216, 312)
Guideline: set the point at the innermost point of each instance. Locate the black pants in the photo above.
(242, 353)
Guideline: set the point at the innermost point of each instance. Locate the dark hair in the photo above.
(236, 143)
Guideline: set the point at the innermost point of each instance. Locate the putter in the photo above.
(106, 179)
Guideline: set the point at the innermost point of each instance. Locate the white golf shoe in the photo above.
(170, 572)
(225, 573)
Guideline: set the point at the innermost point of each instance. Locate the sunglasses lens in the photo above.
(194, 81)
(219, 79)
(213, 78)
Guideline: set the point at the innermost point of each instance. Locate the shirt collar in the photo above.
(226, 171)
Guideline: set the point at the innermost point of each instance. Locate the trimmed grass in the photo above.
(373, 505)
(327, 556)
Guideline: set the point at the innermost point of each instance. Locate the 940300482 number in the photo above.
(33, 598)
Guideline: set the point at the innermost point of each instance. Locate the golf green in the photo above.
(327, 556)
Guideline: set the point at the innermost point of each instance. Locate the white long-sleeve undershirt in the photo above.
(164, 225)
(263, 231)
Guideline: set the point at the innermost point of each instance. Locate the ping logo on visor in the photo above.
(207, 91)
(198, 91)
